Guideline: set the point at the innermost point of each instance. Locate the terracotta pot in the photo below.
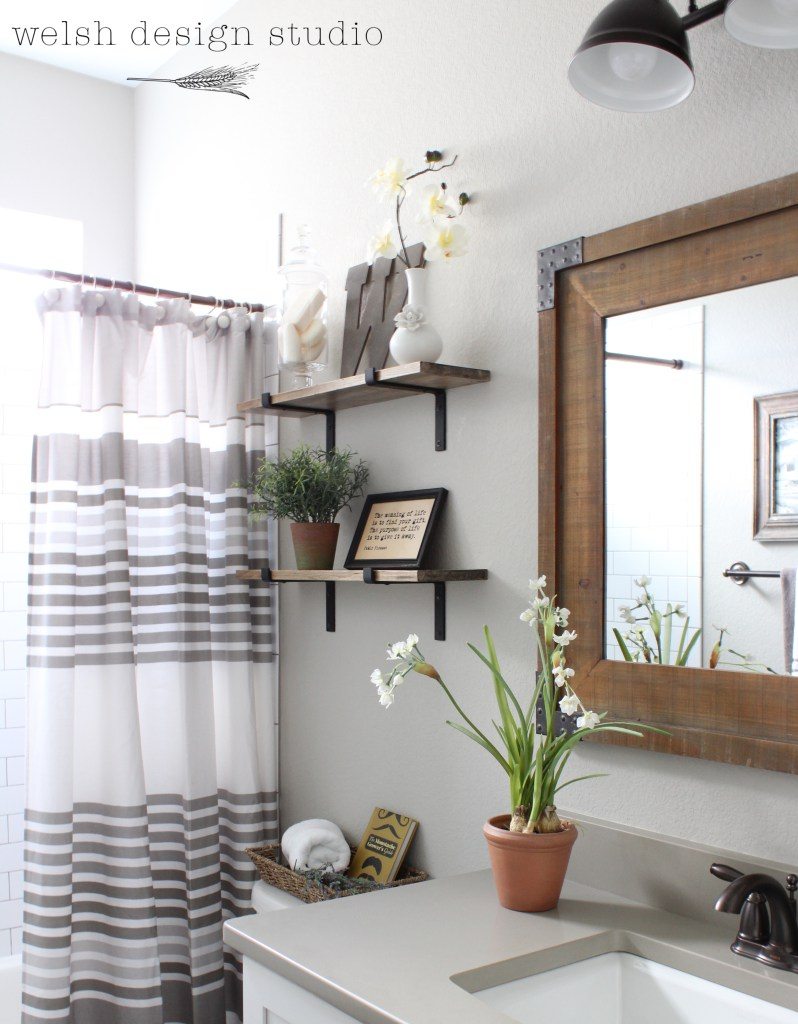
(314, 544)
(528, 870)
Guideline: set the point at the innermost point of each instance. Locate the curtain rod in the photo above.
(137, 289)
(626, 357)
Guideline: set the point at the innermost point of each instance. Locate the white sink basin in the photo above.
(618, 988)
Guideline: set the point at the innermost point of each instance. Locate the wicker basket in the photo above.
(267, 860)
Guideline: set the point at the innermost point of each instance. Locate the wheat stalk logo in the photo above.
(226, 79)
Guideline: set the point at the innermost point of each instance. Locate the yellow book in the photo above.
(383, 847)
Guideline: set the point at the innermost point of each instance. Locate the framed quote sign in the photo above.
(395, 529)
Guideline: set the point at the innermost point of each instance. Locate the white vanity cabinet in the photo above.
(270, 999)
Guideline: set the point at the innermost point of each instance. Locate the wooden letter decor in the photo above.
(374, 295)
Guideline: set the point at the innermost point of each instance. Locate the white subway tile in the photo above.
(3, 771)
(635, 563)
(13, 683)
(5, 942)
(16, 480)
(16, 538)
(15, 885)
(19, 420)
(14, 654)
(15, 451)
(12, 802)
(14, 508)
(3, 830)
(16, 833)
(15, 771)
(11, 855)
(12, 743)
(11, 914)
(13, 625)
(15, 713)
(13, 567)
(617, 586)
(16, 940)
(15, 596)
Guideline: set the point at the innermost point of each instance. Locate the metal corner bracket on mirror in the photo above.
(550, 260)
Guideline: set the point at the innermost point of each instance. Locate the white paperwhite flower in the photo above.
(397, 651)
(644, 581)
(625, 612)
(445, 242)
(538, 584)
(563, 615)
(387, 698)
(588, 721)
(383, 244)
(566, 637)
(390, 180)
(678, 609)
(569, 705)
(376, 677)
(391, 654)
(435, 203)
(528, 615)
(411, 318)
(541, 602)
(411, 642)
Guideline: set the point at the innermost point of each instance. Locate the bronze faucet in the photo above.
(768, 926)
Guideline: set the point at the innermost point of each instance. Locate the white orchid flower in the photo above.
(678, 609)
(411, 642)
(563, 615)
(588, 721)
(538, 584)
(566, 637)
(644, 581)
(387, 698)
(376, 677)
(383, 244)
(391, 654)
(445, 242)
(528, 615)
(391, 180)
(541, 602)
(435, 202)
(569, 705)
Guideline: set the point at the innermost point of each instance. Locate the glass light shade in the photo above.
(772, 24)
(634, 57)
(631, 77)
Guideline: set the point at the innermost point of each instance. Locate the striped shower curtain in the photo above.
(152, 674)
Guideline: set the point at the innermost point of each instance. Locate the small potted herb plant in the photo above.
(310, 486)
(529, 847)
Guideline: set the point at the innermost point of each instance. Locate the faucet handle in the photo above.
(727, 874)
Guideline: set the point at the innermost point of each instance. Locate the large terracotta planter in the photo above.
(529, 870)
(314, 544)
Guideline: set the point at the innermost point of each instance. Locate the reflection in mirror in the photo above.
(702, 481)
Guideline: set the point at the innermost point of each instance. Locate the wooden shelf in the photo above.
(356, 575)
(352, 392)
(370, 577)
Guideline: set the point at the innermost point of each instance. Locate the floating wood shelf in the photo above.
(369, 388)
(437, 577)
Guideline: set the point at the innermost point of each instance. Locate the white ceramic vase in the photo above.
(415, 340)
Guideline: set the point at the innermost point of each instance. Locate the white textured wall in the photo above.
(485, 78)
(67, 144)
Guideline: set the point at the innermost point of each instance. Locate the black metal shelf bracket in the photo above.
(329, 596)
(440, 401)
(439, 599)
(328, 414)
(562, 723)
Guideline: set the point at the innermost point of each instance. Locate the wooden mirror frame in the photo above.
(742, 239)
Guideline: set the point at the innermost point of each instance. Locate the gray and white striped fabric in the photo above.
(152, 670)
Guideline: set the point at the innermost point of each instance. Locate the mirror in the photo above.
(701, 464)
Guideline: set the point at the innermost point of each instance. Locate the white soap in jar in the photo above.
(303, 308)
(313, 340)
(289, 344)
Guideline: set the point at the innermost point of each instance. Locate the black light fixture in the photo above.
(636, 54)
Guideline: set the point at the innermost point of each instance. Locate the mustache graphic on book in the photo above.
(384, 846)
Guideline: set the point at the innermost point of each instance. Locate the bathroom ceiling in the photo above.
(112, 63)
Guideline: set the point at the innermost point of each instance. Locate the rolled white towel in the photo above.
(315, 843)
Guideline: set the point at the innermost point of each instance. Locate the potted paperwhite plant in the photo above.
(309, 486)
(415, 339)
(530, 846)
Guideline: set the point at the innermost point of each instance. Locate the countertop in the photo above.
(413, 954)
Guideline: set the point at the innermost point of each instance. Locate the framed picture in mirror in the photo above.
(776, 476)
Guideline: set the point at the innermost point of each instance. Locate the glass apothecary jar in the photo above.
(302, 334)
